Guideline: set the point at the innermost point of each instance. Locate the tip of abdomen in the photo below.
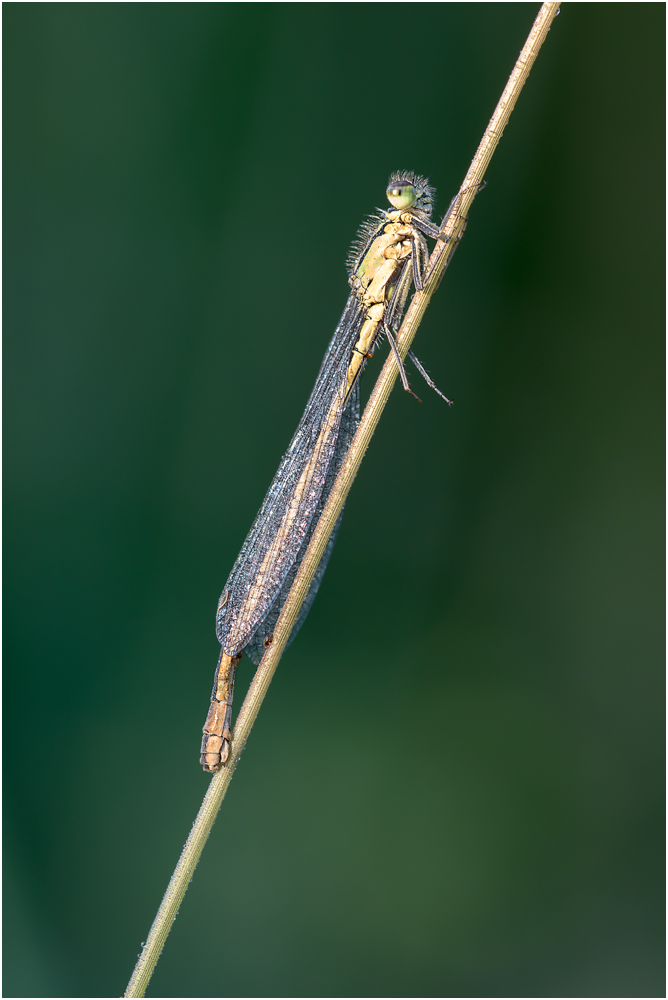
(215, 751)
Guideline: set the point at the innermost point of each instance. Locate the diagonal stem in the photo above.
(438, 262)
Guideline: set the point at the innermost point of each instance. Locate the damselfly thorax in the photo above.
(374, 281)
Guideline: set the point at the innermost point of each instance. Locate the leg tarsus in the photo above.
(426, 377)
(400, 364)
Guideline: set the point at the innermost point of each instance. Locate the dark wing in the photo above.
(255, 648)
(284, 521)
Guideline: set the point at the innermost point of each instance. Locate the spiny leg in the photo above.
(447, 247)
(395, 307)
(218, 726)
(400, 364)
(425, 254)
(424, 375)
(437, 232)
(415, 264)
(429, 228)
(419, 258)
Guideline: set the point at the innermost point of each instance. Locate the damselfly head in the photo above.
(408, 191)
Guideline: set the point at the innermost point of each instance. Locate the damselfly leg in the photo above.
(426, 377)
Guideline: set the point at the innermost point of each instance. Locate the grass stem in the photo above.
(439, 261)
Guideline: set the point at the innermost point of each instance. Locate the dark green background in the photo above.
(454, 788)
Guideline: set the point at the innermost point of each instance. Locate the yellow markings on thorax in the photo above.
(382, 248)
(371, 282)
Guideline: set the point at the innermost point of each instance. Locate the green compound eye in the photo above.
(401, 195)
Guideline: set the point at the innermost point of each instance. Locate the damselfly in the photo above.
(389, 256)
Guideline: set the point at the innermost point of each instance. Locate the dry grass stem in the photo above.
(439, 260)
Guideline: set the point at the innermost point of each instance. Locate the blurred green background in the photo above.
(454, 788)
